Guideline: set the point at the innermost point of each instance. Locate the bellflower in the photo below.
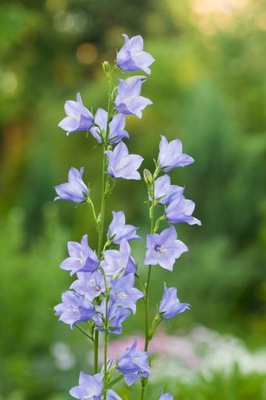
(118, 263)
(171, 156)
(116, 127)
(90, 387)
(115, 316)
(112, 395)
(75, 190)
(124, 294)
(164, 248)
(164, 191)
(78, 117)
(89, 285)
(170, 305)
(131, 56)
(123, 165)
(166, 396)
(128, 99)
(81, 257)
(118, 230)
(133, 364)
(180, 210)
(74, 308)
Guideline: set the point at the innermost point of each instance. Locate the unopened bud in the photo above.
(106, 68)
(147, 177)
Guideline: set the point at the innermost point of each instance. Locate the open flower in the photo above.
(180, 210)
(170, 304)
(118, 229)
(81, 257)
(75, 189)
(116, 127)
(117, 263)
(124, 294)
(171, 156)
(134, 364)
(128, 99)
(166, 396)
(164, 191)
(164, 248)
(74, 308)
(131, 57)
(90, 387)
(78, 117)
(123, 165)
(115, 316)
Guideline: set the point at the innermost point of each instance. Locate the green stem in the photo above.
(96, 347)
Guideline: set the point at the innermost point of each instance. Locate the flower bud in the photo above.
(106, 68)
(147, 177)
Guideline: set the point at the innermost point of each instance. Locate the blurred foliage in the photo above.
(208, 87)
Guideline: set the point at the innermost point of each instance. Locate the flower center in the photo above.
(160, 248)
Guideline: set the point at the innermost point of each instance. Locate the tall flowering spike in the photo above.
(133, 364)
(78, 117)
(128, 99)
(171, 156)
(75, 190)
(164, 248)
(81, 257)
(170, 304)
(124, 294)
(122, 164)
(90, 387)
(164, 192)
(119, 230)
(131, 57)
(116, 127)
(180, 210)
(73, 309)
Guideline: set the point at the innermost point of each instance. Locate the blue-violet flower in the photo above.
(171, 156)
(118, 229)
(75, 190)
(123, 165)
(170, 304)
(90, 387)
(116, 127)
(124, 294)
(180, 210)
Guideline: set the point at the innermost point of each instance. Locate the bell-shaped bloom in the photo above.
(164, 191)
(89, 285)
(75, 189)
(128, 99)
(124, 294)
(90, 387)
(166, 396)
(117, 263)
(78, 117)
(170, 305)
(112, 395)
(123, 165)
(180, 210)
(171, 156)
(74, 308)
(118, 229)
(115, 316)
(131, 57)
(164, 248)
(133, 364)
(115, 127)
(81, 257)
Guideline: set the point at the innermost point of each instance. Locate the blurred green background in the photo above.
(208, 86)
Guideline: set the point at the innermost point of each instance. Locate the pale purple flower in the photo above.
(74, 308)
(81, 257)
(118, 229)
(117, 263)
(90, 387)
(90, 285)
(133, 364)
(166, 396)
(180, 210)
(171, 156)
(131, 57)
(115, 316)
(164, 248)
(128, 99)
(164, 191)
(124, 294)
(116, 127)
(170, 304)
(75, 190)
(121, 164)
(78, 117)
(112, 395)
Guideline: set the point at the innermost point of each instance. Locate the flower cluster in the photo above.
(103, 293)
